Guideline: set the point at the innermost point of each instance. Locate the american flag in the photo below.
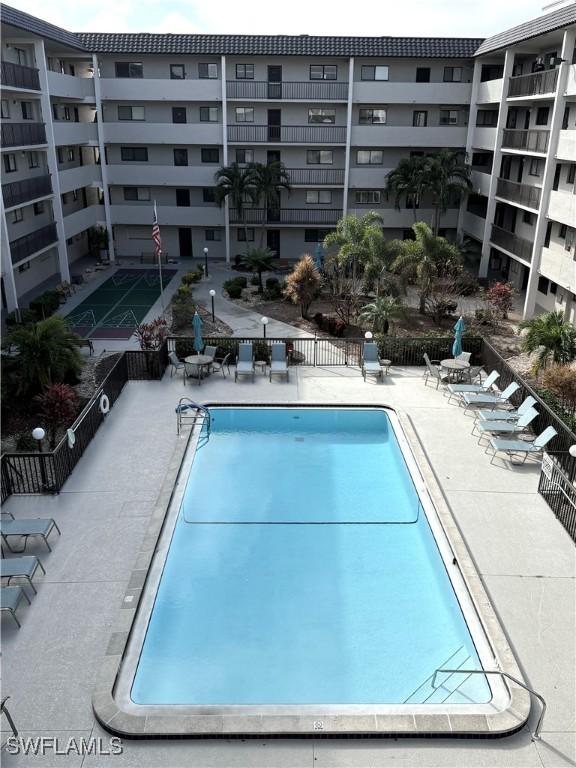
(156, 236)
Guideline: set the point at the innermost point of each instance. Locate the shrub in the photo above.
(182, 313)
(241, 280)
(484, 316)
(272, 282)
(303, 283)
(184, 348)
(183, 293)
(233, 290)
(500, 296)
(152, 335)
(45, 305)
(27, 316)
(25, 442)
(191, 277)
(58, 407)
(318, 319)
(261, 351)
(561, 380)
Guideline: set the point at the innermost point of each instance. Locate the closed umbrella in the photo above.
(197, 325)
(458, 333)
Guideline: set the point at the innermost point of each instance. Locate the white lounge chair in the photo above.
(278, 362)
(460, 389)
(370, 361)
(485, 400)
(508, 415)
(25, 528)
(245, 361)
(508, 428)
(518, 447)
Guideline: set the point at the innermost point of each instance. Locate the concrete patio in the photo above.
(524, 557)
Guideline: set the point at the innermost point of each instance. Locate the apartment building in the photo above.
(116, 121)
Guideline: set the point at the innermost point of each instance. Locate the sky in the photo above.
(406, 18)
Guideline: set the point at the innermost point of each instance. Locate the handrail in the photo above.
(536, 734)
(183, 405)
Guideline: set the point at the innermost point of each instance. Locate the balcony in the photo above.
(316, 176)
(299, 91)
(562, 207)
(484, 138)
(473, 225)
(523, 194)
(408, 136)
(526, 141)
(71, 134)
(23, 134)
(18, 76)
(28, 245)
(287, 216)
(558, 265)
(169, 215)
(480, 182)
(511, 243)
(157, 89)
(138, 132)
(289, 134)
(70, 87)
(534, 84)
(490, 92)
(20, 192)
(147, 174)
(81, 176)
(81, 220)
(379, 92)
(566, 145)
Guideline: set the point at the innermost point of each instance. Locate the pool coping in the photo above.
(110, 714)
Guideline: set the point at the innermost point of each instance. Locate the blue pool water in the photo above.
(301, 571)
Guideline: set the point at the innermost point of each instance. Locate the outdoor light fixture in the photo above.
(39, 434)
(264, 322)
(206, 262)
(368, 335)
(572, 451)
(212, 294)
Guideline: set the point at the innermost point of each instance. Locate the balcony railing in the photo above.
(23, 134)
(511, 243)
(519, 193)
(19, 192)
(36, 241)
(287, 216)
(19, 76)
(297, 134)
(333, 176)
(531, 140)
(306, 91)
(534, 84)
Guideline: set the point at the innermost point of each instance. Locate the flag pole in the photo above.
(159, 251)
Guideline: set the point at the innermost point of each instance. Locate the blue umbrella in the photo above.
(458, 333)
(197, 325)
(319, 257)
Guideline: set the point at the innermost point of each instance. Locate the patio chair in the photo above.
(245, 361)
(21, 568)
(517, 447)
(210, 352)
(460, 389)
(370, 361)
(27, 528)
(509, 428)
(508, 415)
(433, 371)
(10, 599)
(482, 401)
(175, 363)
(278, 362)
(474, 374)
(219, 365)
(464, 356)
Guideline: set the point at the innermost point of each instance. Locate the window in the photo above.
(75, 194)
(542, 115)
(22, 57)
(71, 155)
(33, 160)
(5, 108)
(209, 195)
(571, 175)
(183, 198)
(208, 71)
(60, 154)
(323, 72)
(26, 107)
(245, 235)
(319, 157)
(17, 215)
(130, 113)
(372, 116)
(134, 154)
(39, 208)
(548, 234)
(67, 115)
(420, 118)
(562, 230)
(178, 114)
(180, 157)
(535, 167)
(244, 71)
(210, 154)
(487, 118)
(55, 111)
(449, 116)
(9, 163)
(208, 114)
(321, 115)
(370, 72)
(453, 74)
(553, 288)
(318, 196)
(137, 194)
(368, 196)
(129, 69)
(244, 156)
(422, 74)
(369, 157)
(244, 114)
(528, 218)
(212, 235)
(543, 284)
(177, 72)
(315, 235)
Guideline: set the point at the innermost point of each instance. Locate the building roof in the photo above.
(530, 29)
(38, 27)
(280, 45)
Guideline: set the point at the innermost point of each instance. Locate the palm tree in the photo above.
(258, 260)
(358, 240)
(237, 184)
(426, 259)
(381, 311)
(552, 336)
(448, 178)
(269, 180)
(408, 180)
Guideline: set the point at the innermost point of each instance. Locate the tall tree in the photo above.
(448, 179)
(552, 337)
(238, 185)
(358, 240)
(408, 182)
(269, 180)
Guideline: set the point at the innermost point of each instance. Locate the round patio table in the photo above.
(202, 362)
(455, 368)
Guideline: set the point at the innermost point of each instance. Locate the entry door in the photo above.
(273, 241)
(556, 181)
(511, 117)
(273, 156)
(185, 242)
(274, 122)
(527, 120)
(274, 82)
(505, 167)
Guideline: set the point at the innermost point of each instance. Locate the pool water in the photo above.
(302, 570)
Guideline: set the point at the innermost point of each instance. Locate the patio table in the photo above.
(202, 362)
(455, 368)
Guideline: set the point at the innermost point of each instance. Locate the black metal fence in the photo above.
(557, 487)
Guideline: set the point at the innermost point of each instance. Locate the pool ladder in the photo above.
(193, 414)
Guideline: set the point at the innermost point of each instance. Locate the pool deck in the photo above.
(525, 559)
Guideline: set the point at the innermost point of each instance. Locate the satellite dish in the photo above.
(71, 438)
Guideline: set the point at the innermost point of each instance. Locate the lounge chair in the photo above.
(10, 600)
(219, 365)
(26, 528)
(483, 401)
(278, 362)
(370, 361)
(434, 371)
(509, 415)
(460, 389)
(175, 363)
(517, 447)
(245, 361)
(21, 568)
(508, 428)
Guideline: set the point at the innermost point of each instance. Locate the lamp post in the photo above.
(368, 335)
(572, 451)
(264, 322)
(39, 434)
(212, 294)
(206, 262)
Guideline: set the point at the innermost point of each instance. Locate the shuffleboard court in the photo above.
(114, 309)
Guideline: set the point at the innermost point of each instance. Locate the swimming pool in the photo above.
(303, 573)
